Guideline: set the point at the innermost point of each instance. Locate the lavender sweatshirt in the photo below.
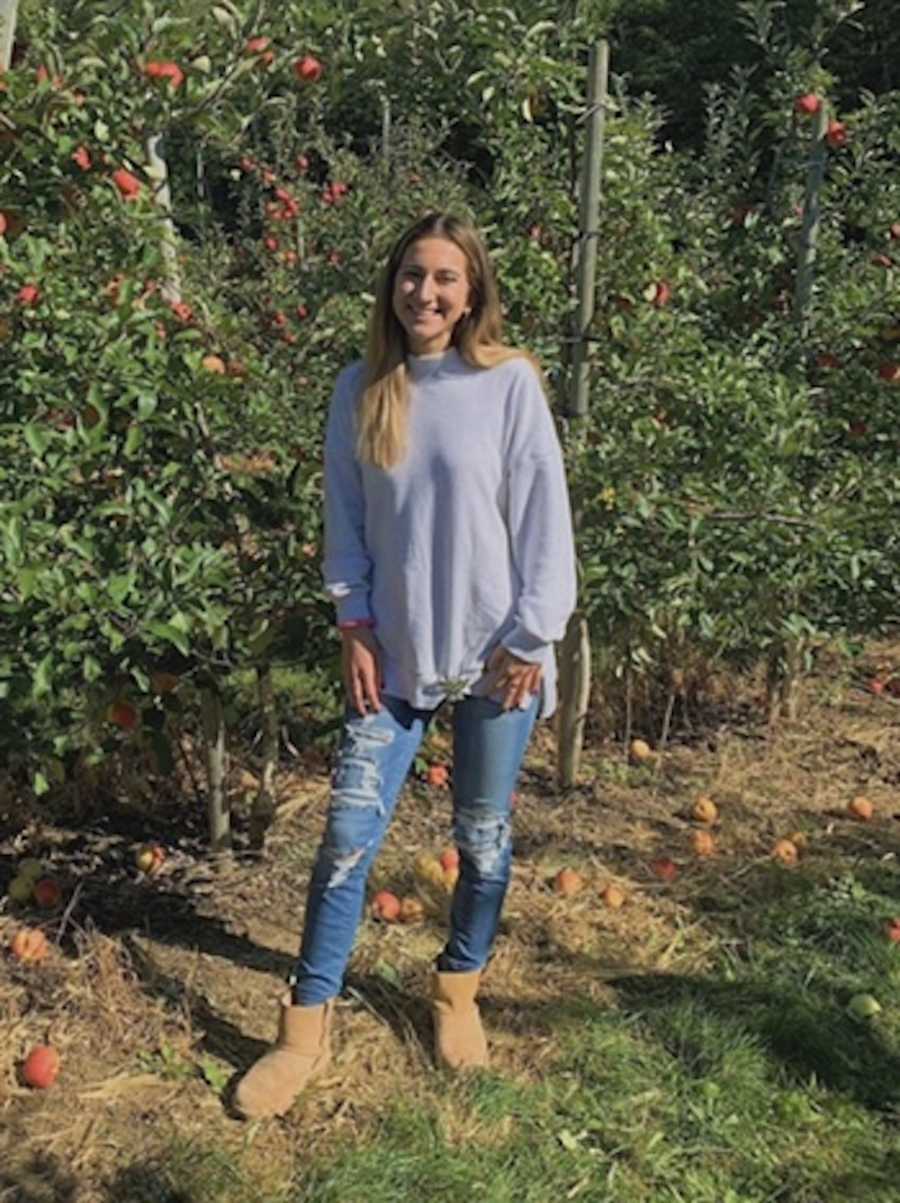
(467, 542)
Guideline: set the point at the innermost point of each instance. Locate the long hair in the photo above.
(382, 417)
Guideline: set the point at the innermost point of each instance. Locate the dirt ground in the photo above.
(159, 990)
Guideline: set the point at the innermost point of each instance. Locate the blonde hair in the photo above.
(478, 337)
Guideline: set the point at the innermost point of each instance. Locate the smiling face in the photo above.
(431, 294)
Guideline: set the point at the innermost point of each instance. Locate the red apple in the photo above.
(892, 929)
(437, 775)
(129, 185)
(81, 158)
(386, 906)
(449, 859)
(257, 45)
(41, 1067)
(882, 261)
(28, 295)
(170, 71)
(123, 715)
(827, 360)
(214, 364)
(308, 69)
(665, 869)
(807, 104)
(47, 893)
(889, 371)
(894, 230)
(836, 134)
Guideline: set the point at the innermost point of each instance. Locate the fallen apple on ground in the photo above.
(41, 1067)
(664, 868)
(386, 906)
(411, 910)
(437, 775)
(863, 1006)
(29, 944)
(640, 751)
(860, 808)
(428, 870)
(47, 893)
(613, 896)
(149, 858)
(705, 810)
(703, 843)
(449, 859)
(30, 869)
(20, 888)
(786, 852)
(567, 882)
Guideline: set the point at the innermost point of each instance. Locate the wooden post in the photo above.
(575, 649)
(598, 86)
(8, 12)
(812, 212)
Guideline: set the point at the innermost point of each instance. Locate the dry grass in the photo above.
(158, 991)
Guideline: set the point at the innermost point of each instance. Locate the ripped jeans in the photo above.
(374, 758)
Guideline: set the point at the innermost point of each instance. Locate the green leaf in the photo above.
(42, 681)
(36, 438)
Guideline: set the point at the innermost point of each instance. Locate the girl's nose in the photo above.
(425, 288)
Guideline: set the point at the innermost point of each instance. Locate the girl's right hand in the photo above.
(361, 668)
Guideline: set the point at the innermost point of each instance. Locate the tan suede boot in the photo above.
(459, 1040)
(302, 1051)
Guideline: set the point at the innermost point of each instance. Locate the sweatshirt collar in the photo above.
(427, 367)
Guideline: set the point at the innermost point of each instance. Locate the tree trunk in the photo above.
(263, 810)
(214, 739)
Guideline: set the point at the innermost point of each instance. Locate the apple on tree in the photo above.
(807, 104)
(308, 69)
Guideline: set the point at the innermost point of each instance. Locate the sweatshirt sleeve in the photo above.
(347, 566)
(540, 523)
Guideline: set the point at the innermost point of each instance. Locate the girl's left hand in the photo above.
(516, 679)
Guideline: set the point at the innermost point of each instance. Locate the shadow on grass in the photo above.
(810, 1041)
(220, 1038)
(42, 1179)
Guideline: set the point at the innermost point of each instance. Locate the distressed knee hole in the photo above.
(482, 836)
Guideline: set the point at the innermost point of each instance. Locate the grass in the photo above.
(750, 1083)
(694, 1047)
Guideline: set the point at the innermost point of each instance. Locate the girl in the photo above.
(449, 555)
